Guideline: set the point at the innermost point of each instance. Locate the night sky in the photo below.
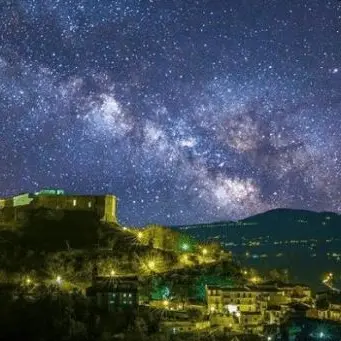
(188, 111)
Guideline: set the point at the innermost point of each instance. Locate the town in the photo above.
(151, 282)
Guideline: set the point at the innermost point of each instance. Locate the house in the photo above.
(299, 293)
(115, 293)
(252, 322)
(328, 307)
(225, 323)
(243, 299)
(275, 314)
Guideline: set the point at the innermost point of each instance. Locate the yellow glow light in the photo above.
(166, 303)
(112, 273)
(151, 264)
(139, 235)
(28, 280)
(204, 252)
(255, 279)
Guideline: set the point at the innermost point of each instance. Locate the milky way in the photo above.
(188, 111)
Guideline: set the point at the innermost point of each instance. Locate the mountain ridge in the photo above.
(275, 210)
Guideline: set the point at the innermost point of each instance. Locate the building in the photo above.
(248, 309)
(105, 206)
(275, 314)
(244, 299)
(252, 322)
(115, 293)
(328, 307)
(287, 292)
(299, 293)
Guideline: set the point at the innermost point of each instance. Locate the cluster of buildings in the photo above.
(327, 307)
(249, 309)
(113, 294)
(17, 208)
(252, 308)
(257, 309)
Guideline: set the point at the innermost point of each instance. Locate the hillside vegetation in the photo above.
(66, 245)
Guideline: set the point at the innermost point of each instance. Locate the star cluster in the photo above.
(188, 111)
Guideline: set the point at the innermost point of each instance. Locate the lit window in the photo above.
(89, 204)
(114, 295)
(130, 302)
(124, 302)
(124, 295)
(74, 202)
(129, 295)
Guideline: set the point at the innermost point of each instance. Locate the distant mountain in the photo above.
(276, 224)
(281, 239)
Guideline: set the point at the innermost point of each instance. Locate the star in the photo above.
(186, 113)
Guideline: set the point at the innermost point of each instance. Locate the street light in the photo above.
(204, 252)
(112, 273)
(151, 264)
(59, 280)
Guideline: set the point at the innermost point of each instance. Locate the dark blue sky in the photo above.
(188, 111)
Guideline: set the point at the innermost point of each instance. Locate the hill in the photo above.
(50, 244)
(276, 224)
(281, 239)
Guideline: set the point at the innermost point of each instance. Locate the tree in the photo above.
(281, 275)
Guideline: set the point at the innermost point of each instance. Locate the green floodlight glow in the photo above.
(186, 243)
(322, 333)
(185, 246)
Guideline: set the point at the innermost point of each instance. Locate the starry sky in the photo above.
(188, 111)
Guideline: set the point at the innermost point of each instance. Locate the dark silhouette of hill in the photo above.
(277, 224)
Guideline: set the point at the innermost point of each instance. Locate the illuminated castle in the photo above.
(56, 199)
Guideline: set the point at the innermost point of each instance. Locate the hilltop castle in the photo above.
(56, 199)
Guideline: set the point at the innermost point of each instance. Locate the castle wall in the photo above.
(104, 206)
(110, 209)
(22, 199)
